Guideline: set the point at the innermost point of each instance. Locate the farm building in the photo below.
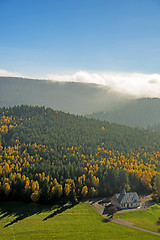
(125, 200)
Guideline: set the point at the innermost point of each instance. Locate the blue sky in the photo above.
(40, 37)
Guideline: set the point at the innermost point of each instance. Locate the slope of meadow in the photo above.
(147, 219)
(30, 221)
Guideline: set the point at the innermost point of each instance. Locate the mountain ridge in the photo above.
(74, 97)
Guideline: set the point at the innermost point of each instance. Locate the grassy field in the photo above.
(146, 219)
(31, 221)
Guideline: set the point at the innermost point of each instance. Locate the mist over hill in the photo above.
(138, 113)
(92, 100)
(77, 98)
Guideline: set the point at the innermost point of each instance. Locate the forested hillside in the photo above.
(138, 113)
(77, 98)
(47, 155)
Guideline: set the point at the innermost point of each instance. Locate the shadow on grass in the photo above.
(22, 210)
(105, 220)
(59, 211)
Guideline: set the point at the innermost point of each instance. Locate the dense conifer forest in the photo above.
(47, 156)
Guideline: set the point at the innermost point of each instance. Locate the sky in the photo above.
(64, 39)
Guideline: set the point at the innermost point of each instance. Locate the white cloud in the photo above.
(132, 84)
(4, 73)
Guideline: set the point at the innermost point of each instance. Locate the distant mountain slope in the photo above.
(138, 113)
(77, 98)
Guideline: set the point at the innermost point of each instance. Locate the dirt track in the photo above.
(100, 208)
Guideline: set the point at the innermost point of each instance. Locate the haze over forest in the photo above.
(79, 118)
(90, 99)
(93, 63)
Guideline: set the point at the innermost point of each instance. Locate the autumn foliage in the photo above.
(40, 163)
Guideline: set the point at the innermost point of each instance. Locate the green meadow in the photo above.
(147, 219)
(31, 221)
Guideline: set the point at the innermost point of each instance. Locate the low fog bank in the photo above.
(135, 85)
(73, 97)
